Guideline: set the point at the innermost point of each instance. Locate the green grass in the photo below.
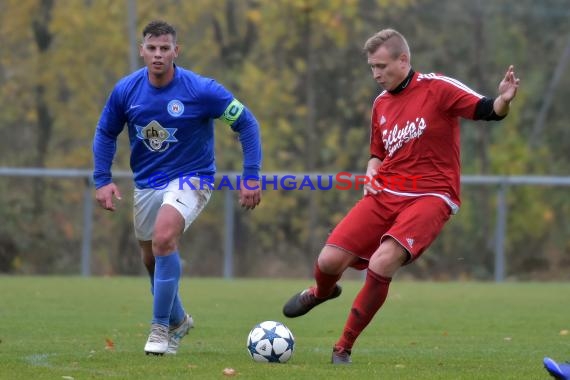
(56, 328)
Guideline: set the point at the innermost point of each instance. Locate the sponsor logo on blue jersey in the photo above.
(156, 137)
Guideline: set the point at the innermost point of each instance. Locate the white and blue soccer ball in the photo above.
(270, 342)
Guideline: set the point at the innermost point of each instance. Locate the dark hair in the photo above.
(159, 28)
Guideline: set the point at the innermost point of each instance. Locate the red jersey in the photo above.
(415, 133)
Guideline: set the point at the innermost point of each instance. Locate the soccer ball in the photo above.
(270, 342)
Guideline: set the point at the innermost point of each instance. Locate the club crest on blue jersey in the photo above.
(175, 108)
(155, 137)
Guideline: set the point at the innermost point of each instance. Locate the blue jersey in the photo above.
(171, 129)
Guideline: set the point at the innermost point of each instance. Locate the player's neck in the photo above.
(404, 83)
(161, 80)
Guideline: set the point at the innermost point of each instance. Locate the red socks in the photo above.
(325, 282)
(368, 301)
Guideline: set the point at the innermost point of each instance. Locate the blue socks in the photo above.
(167, 307)
(177, 313)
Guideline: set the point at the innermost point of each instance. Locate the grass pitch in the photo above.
(95, 328)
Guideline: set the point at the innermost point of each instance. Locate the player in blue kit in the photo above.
(169, 113)
(560, 371)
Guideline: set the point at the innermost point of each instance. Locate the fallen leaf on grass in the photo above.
(229, 372)
(109, 344)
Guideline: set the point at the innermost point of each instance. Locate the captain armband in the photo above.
(232, 112)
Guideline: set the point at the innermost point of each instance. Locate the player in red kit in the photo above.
(414, 133)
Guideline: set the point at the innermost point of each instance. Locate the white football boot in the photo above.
(157, 343)
(176, 334)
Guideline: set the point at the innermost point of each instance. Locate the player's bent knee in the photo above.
(387, 262)
(163, 244)
(333, 260)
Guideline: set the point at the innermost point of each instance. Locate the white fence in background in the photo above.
(501, 182)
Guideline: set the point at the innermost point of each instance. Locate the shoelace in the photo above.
(342, 353)
(308, 297)
(157, 334)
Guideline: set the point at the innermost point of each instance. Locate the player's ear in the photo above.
(404, 60)
(140, 50)
(176, 51)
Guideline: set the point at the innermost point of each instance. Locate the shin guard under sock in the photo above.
(368, 301)
(177, 313)
(166, 276)
(325, 282)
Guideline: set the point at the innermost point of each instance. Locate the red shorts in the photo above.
(413, 222)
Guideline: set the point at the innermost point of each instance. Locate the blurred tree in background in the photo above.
(299, 66)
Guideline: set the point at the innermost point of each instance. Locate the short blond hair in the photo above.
(394, 41)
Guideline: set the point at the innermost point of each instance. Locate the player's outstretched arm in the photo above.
(104, 196)
(507, 92)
